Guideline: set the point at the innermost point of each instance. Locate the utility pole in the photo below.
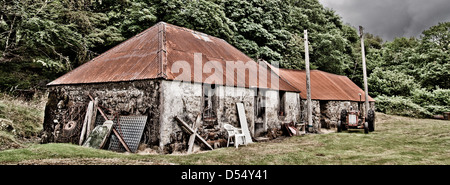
(308, 84)
(366, 90)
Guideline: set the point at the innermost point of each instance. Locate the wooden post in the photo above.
(192, 138)
(94, 116)
(86, 122)
(366, 90)
(189, 130)
(308, 84)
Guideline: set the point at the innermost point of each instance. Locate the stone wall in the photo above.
(331, 111)
(163, 100)
(272, 108)
(182, 99)
(291, 113)
(292, 103)
(134, 98)
(315, 114)
(185, 99)
(226, 108)
(327, 113)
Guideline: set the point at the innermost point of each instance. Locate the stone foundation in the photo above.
(326, 114)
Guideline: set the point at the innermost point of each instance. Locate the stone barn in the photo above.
(169, 71)
(330, 93)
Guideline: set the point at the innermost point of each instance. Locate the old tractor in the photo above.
(353, 119)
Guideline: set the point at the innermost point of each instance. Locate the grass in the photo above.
(397, 140)
(20, 121)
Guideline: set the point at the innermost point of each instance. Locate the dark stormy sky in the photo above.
(391, 18)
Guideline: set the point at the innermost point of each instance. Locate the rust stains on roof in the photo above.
(157, 52)
(324, 86)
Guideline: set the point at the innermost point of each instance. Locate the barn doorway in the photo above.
(324, 120)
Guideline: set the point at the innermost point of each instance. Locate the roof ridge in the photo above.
(190, 30)
(162, 50)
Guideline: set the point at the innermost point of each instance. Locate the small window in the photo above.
(208, 103)
(260, 102)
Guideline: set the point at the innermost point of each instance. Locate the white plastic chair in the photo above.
(239, 137)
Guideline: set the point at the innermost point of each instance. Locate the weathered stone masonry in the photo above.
(133, 98)
(186, 100)
(327, 113)
(161, 101)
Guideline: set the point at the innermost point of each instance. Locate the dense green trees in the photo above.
(42, 39)
(56, 36)
(414, 70)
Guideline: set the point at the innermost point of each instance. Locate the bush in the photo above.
(435, 102)
(402, 106)
(437, 109)
(391, 83)
(442, 97)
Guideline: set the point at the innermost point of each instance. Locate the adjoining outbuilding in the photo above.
(330, 94)
(169, 71)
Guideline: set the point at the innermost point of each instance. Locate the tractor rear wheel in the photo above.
(371, 120)
(343, 119)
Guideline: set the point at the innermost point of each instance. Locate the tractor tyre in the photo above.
(371, 120)
(343, 120)
(366, 128)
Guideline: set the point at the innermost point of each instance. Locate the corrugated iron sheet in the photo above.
(152, 54)
(324, 86)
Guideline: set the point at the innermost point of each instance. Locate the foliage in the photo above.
(398, 105)
(63, 34)
(387, 82)
(19, 120)
(416, 69)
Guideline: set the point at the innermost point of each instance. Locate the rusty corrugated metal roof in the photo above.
(324, 86)
(154, 53)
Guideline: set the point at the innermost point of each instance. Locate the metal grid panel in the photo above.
(99, 120)
(131, 129)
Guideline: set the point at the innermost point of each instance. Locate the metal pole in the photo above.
(366, 90)
(308, 83)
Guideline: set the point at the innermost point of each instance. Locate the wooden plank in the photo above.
(94, 115)
(89, 113)
(192, 137)
(121, 140)
(243, 121)
(85, 122)
(190, 131)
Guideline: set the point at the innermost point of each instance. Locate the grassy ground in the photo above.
(20, 121)
(397, 140)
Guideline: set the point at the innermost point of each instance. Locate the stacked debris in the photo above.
(97, 127)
